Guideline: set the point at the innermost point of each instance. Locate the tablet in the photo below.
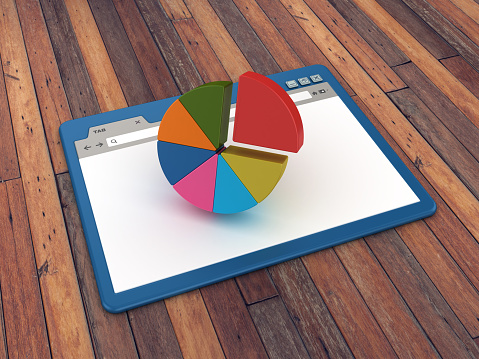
(146, 243)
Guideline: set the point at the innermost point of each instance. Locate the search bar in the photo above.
(296, 97)
(132, 136)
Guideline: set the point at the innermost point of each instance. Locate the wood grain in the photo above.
(111, 332)
(220, 40)
(8, 160)
(127, 68)
(358, 325)
(244, 36)
(438, 74)
(369, 31)
(453, 191)
(395, 318)
(154, 334)
(453, 235)
(463, 72)
(200, 51)
(460, 42)
(3, 344)
(459, 159)
(458, 18)
(277, 330)
(442, 107)
(232, 322)
(326, 19)
(418, 28)
(51, 96)
(469, 7)
(67, 327)
(319, 331)
(277, 46)
(175, 9)
(176, 57)
(444, 272)
(25, 327)
(73, 72)
(152, 63)
(256, 286)
(193, 327)
(441, 325)
(105, 83)
(299, 41)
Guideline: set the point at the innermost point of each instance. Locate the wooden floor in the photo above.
(411, 65)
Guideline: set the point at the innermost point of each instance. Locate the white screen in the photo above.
(148, 232)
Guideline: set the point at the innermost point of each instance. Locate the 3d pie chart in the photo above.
(229, 179)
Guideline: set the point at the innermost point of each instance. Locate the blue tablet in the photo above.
(146, 243)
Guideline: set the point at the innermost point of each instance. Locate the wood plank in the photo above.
(233, 325)
(277, 330)
(320, 333)
(330, 21)
(8, 160)
(167, 39)
(463, 72)
(176, 10)
(245, 38)
(369, 31)
(51, 96)
(395, 318)
(256, 286)
(67, 326)
(25, 327)
(446, 226)
(193, 327)
(3, 340)
(458, 18)
(359, 327)
(111, 333)
(453, 191)
(105, 83)
(438, 74)
(444, 272)
(154, 334)
(220, 40)
(408, 19)
(460, 42)
(428, 306)
(73, 72)
(442, 107)
(127, 68)
(151, 61)
(469, 7)
(459, 159)
(277, 46)
(200, 51)
(299, 41)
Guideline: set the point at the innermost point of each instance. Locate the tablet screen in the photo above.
(149, 233)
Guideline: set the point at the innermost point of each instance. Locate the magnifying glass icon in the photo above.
(113, 141)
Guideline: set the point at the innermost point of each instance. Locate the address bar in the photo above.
(132, 136)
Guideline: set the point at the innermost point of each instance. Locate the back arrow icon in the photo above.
(100, 144)
(87, 147)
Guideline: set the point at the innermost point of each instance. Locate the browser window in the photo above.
(148, 232)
